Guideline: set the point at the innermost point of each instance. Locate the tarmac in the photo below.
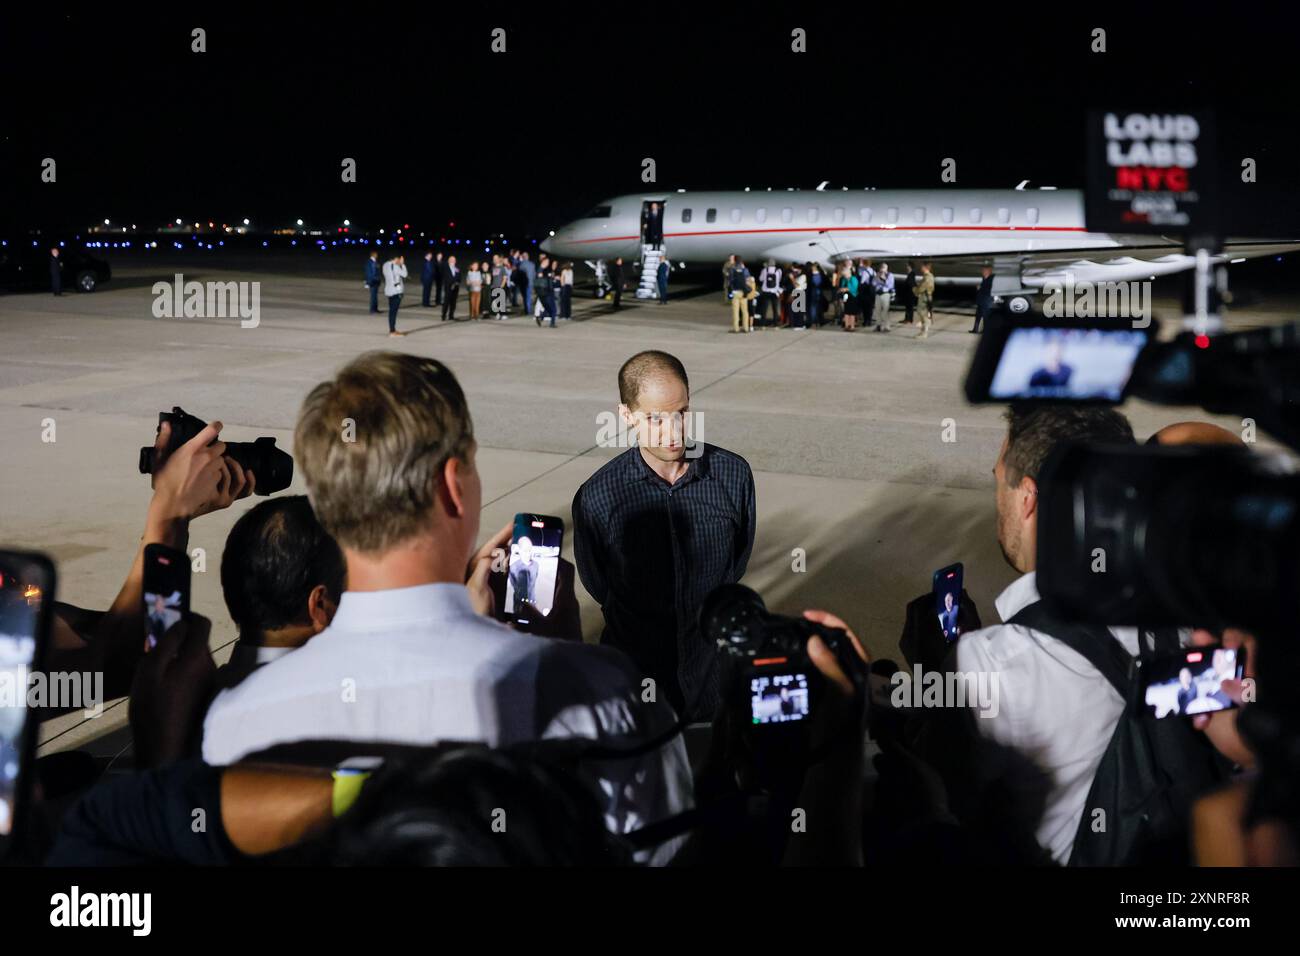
(845, 432)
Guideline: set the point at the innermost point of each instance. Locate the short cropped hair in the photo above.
(373, 441)
(275, 556)
(642, 367)
(1034, 431)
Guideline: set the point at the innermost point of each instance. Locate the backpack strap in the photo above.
(1096, 644)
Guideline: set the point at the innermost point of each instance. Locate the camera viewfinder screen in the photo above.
(20, 602)
(777, 698)
(1192, 682)
(1072, 364)
(534, 563)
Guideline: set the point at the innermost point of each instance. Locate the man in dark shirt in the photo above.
(658, 528)
(983, 298)
(282, 576)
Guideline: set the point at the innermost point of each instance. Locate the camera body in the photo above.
(272, 467)
(1170, 536)
(771, 688)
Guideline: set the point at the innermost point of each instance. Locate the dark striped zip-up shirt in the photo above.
(650, 552)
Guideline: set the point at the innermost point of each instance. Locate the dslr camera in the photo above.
(272, 467)
(771, 689)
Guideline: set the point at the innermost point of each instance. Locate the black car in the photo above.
(26, 268)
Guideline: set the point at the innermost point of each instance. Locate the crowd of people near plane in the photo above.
(853, 294)
(510, 281)
(370, 622)
(808, 297)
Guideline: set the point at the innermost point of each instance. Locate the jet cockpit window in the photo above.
(711, 215)
(686, 215)
(600, 212)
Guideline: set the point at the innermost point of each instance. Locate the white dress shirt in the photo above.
(418, 666)
(1053, 707)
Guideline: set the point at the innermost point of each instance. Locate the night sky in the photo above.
(443, 130)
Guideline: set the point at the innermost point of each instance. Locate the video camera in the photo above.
(272, 467)
(1194, 536)
(772, 689)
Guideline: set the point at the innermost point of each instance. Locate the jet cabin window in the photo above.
(686, 215)
(711, 215)
(812, 213)
(735, 215)
(976, 215)
(838, 214)
(600, 212)
(918, 214)
(760, 215)
(1031, 215)
(864, 214)
(891, 214)
(947, 213)
(1004, 215)
(787, 214)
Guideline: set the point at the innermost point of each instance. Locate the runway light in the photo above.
(178, 222)
(300, 222)
(1202, 341)
(245, 222)
(347, 222)
(106, 222)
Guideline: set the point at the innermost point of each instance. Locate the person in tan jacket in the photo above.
(924, 299)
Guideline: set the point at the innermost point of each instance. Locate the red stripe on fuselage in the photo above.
(755, 232)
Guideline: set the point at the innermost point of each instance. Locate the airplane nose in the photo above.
(545, 246)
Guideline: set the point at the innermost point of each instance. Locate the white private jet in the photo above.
(1029, 236)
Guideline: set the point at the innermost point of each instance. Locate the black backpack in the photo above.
(1152, 770)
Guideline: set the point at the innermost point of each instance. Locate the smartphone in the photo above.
(778, 697)
(166, 591)
(533, 566)
(947, 600)
(1191, 681)
(26, 598)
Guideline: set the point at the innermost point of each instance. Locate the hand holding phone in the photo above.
(166, 591)
(26, 596)
(947, 586)
(1192, 680)
(532, 566)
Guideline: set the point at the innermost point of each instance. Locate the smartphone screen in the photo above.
(166, 591)
(777, 698)
(1191, 681)
(947, 599)
(533, 566)
(26, 593)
